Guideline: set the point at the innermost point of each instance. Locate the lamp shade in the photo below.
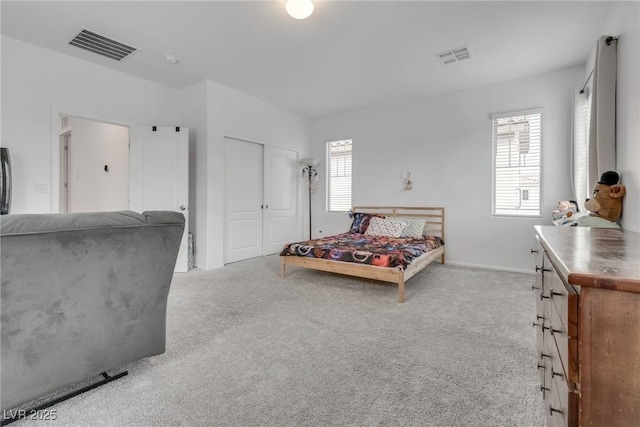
(299, 9)
(309, 161)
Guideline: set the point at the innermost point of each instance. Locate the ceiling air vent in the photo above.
(454, 55)
(101, 45)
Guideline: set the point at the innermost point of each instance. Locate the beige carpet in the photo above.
(246, 348)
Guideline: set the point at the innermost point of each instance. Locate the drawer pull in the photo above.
(541, 366)
(556, 374)
(533, 288)
(552, 293)
(542, 296)
(538, 324)
(542, 269)
(543, 389)
(534, 251)
(555, 331)
(552, 410)
(545, 355)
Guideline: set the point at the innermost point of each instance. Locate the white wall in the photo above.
(36, 84)
(231, 113)
(193, 114)
(93, 146)
(446, 143)
(624, 22)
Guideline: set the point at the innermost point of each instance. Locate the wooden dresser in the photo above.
(588, 325)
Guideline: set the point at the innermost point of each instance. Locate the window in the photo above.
(580, 148)
(339, 176)
(517, 155)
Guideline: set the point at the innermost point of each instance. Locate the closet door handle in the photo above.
(266, 206)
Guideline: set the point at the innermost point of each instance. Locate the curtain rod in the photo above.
(588, 78)
(608, 41)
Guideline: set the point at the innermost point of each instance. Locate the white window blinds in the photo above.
(339, 175)
(580, 166)
(517, 163)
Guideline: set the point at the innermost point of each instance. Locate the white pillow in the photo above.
(385, 227)
(414, 227)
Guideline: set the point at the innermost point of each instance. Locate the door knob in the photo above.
(182, 208)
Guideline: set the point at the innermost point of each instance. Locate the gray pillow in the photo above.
(414, 227)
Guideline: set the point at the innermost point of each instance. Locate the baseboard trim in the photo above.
(490, 267)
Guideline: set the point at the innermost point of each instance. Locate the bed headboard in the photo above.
(433, 215)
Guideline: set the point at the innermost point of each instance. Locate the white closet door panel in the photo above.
(280, 189)
(243, 200)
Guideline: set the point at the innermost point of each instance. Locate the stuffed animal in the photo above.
(564, 212)
(562, 206)
(607, 198)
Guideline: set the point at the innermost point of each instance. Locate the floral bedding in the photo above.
(381, 251)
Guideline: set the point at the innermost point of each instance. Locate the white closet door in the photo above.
(243, 200)
(280, 180)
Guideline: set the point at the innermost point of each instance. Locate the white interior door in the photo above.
(279, 216)
(243, 200)
(159, 175)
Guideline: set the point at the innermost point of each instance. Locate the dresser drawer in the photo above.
(545, 359)
(558, 405)
(564, 331)
(558, 334)
(557, 397)
(559, 296)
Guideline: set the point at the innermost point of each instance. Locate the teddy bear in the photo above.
(606, 202)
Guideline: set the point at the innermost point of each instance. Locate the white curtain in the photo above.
(580, 147)
(602, 128)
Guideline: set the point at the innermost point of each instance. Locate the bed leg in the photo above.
(281, 268)
(401, 290)
(442, 258)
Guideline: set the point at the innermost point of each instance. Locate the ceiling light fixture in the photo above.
(299, 9)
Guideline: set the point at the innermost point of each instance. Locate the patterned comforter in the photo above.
(380, 251)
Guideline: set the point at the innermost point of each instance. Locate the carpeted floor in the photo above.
(246, 348)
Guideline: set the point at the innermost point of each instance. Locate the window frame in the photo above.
(328, 172)
(504, 115)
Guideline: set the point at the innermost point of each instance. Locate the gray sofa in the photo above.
(81, 294)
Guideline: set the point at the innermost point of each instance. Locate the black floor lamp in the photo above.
(311, 173)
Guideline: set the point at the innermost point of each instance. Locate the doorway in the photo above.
(94, 166)
(110, 167)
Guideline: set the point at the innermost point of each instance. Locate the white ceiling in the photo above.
(347, 55)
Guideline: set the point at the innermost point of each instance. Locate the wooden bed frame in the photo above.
(434, 226)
